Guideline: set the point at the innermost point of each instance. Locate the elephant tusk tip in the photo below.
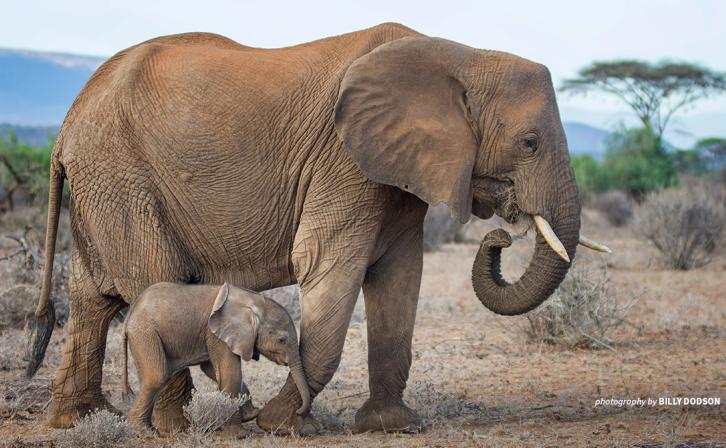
(594, 245)
(564, 255)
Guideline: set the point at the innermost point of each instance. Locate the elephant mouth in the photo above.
(499, 195)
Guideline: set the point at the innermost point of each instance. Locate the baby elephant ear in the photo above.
(235, 319)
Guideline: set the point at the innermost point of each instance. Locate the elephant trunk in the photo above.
(545, 272)
(298, 374)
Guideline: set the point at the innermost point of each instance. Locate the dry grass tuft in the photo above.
(582, 312)
(684, 224)
(99, 429)
(209, 411)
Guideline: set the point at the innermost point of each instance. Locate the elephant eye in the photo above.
(529, 142)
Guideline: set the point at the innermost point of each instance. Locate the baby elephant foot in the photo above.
(248, 411)
(388, 417)
(279, 417)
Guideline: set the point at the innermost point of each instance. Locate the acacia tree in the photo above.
(654, 91)
(716, 149)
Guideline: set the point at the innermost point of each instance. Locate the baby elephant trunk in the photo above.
(298, 373)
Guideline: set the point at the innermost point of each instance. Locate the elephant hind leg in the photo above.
(77, 384)
(151, 364)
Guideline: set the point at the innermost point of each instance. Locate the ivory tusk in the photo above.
(549, 235)
(594, 245)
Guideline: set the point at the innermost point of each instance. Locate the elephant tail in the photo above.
(125, 392)
(45, 312)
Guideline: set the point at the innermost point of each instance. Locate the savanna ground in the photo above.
(476, 378)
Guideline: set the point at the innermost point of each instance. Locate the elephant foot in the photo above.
(279, 417)
(170, 420)
(63, 412)
(248, 411)
(387, 417)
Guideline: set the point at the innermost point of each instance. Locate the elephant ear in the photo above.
(235, 319)
(402, 116)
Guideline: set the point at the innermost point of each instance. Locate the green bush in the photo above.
(23, 168)
(589, 174)
(635, 162)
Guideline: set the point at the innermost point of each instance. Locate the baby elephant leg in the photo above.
(153, 373)
(227, 371)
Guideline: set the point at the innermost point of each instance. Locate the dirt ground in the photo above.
(476, 379)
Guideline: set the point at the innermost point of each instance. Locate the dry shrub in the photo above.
(582, 312)
(99, 429)
(684, 224)
(20, 277)
(14, 354)
(22, 398)
(209, 411)
(616, 206)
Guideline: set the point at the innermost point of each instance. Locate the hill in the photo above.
(585, 139)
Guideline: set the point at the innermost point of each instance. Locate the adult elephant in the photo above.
(192, 158)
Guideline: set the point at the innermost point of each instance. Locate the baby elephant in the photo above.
(172, 326)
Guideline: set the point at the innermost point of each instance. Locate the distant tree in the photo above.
(715, 147)
(654, 91)
(690, 161)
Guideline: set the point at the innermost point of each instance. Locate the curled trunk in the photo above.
(545, 272)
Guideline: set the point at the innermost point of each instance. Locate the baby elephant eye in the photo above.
(530, 143)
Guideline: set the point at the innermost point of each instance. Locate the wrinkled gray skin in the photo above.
(171, 327)
(192, 158)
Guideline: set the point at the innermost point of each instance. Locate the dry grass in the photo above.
(582, 312)
(475, 377)
(100, 429)
(683, 224)
(209, 411)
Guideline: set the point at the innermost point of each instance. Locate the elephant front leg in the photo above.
(227, 371)
(391, 289)
(169, 406)
(327, 306)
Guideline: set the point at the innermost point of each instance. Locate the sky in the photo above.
(564, 35)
